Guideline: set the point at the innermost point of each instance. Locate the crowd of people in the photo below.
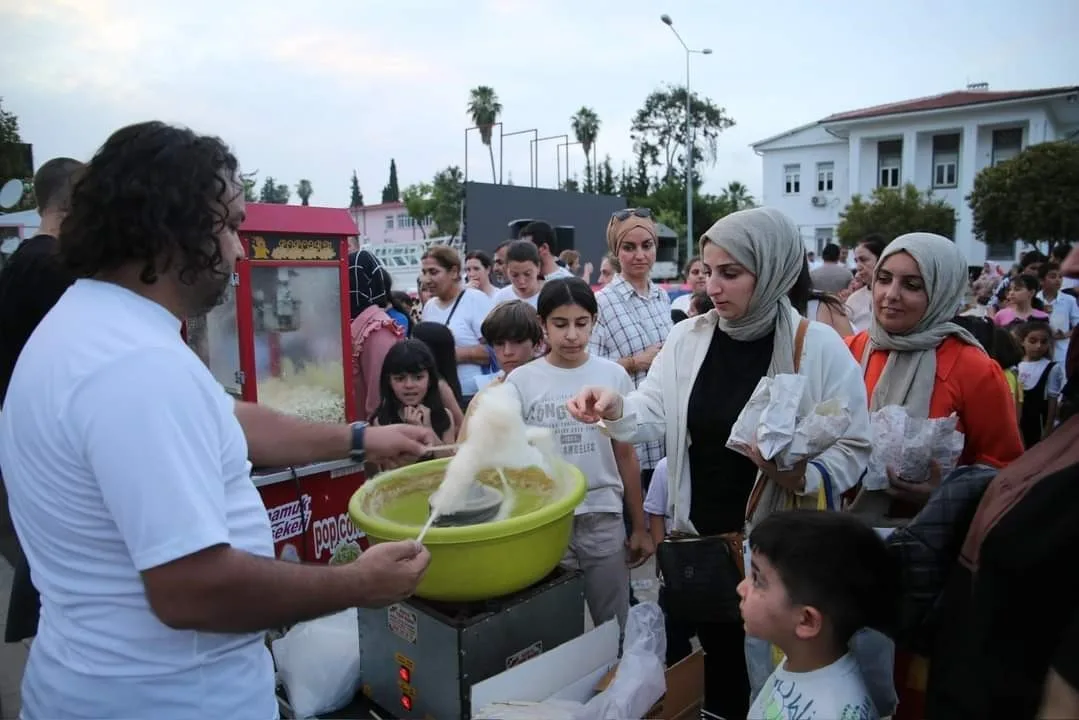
(126, 465)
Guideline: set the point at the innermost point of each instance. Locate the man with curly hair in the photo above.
(127, 464)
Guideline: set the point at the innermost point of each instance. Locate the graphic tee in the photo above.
(835, 692)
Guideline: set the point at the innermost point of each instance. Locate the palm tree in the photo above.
(485, 109)
(304, 190)
(586, 128)
(737, 196)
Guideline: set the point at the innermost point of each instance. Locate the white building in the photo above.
(938, 143)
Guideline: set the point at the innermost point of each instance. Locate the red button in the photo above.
(406, 702)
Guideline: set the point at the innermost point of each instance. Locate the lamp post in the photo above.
(689, 131)
(558, 157)
(531, 155)
(477, 128)
(567, 145)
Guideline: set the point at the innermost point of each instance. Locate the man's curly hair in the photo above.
(153, 194)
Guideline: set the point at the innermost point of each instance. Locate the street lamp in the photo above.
(689, 132)
(558, 156)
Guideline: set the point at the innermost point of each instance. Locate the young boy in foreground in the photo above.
(816, 578)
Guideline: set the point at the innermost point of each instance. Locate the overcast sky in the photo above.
(316, 89)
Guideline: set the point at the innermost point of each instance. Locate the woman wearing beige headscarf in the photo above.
(699, 383)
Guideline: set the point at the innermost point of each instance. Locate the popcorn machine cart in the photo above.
(281, 338)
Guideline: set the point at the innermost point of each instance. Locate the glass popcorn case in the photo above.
(282, 338)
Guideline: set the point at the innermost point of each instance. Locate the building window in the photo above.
(822, 236)
(402, 221)
(1006, 144)
(825, 177)
(945, 160)
(389, 222)
(889, 162)
(792, 179)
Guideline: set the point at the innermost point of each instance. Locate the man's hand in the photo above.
(593, 404)
(793, 479)
(397, 443)
(640, 547)
(644, 358)
(389, 572)
(914, 492)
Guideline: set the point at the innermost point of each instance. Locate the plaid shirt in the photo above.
(628, 323)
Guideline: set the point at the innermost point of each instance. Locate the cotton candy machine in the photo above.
(520, 547)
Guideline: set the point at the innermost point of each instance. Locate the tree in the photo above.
(9, 126)
(893, 212)
(250, 181)
(304, 191)
(605, 178)
(659, 130)
(16, 159)
(448, 194)
(737, 195)
(1032, 197)
(357, 196)
(420, 203)
(391, 193)
(571, 184)
(586, 124)
(274, 193)
(484, 107)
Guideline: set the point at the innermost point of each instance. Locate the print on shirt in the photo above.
(575, 437)
(786, 702)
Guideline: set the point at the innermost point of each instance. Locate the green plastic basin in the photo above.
(476, 562)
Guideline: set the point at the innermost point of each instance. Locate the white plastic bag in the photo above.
(780, 418)
(319, 663)
(639, 681)
(906, 445)
(744, 431)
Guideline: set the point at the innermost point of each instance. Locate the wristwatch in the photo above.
(357, 452)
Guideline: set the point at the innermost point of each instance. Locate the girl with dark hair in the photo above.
(1022, 306)
(820, 306)
(567, 310)
(441, 343)
(478, 272)
(523, 268)
(693, 277)
(1043, 382)
(410, 392)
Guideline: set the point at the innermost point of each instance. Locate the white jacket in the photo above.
(657, 409)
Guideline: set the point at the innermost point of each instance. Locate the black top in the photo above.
(30, 284)
(721, 479)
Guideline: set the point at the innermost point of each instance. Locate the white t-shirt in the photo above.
(508, 293)
(1063, 315)
(655, 500)
(682, 302)
(465, 326)
(1031, 372)
(544, 390)
(558, 272)
(835, 692)
(121, 453)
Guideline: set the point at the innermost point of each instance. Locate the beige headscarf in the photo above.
(618, 229)
(910, 372)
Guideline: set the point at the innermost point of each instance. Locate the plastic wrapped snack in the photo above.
(906, 445)
(779, 420)
(816, 432)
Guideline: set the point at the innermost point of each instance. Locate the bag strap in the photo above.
(758, 487)
(455, 304)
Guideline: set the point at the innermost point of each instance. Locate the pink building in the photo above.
(389, 224)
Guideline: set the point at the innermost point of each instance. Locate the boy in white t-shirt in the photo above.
(816, 578)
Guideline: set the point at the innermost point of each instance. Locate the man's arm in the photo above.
(275, 439)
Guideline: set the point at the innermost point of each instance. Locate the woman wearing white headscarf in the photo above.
(697, 387)
(914, 355)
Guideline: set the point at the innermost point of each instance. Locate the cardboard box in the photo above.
(685, 689)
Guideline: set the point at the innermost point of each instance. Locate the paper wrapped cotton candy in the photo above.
(744, 431)
(817, 432)
(779, 419)
(906, 445)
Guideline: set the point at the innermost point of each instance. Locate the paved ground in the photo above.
(13, 656)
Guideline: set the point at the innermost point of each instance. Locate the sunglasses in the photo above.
(623, 215)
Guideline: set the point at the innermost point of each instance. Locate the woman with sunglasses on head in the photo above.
(694, 391)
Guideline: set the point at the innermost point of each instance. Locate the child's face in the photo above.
(524, 276)
(568, 329)
(1019, 294)
(410, 388)
(1036, 344)
(512, 354)
(1051, 282)
(767, 612)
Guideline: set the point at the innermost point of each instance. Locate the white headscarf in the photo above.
(910, 372)
(767, 243)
